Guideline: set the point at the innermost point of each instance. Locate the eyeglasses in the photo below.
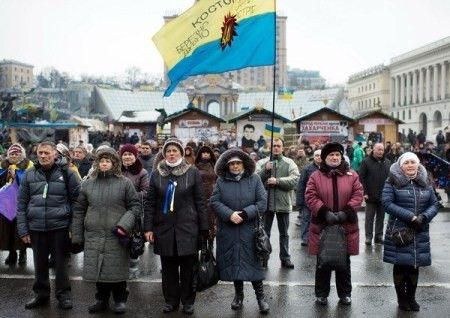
(277, 146)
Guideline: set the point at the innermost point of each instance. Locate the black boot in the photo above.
(411, 291)
(238, 294)
(11, 258)
(22, 256)
(259, 291)
(400, 288)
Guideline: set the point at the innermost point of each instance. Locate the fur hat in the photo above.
(331, 147)
(128, 148)
(16, 148)
(173, 141)
(408, 156)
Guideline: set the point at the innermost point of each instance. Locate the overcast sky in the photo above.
(104, 37)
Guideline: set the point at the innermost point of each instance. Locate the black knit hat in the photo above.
(173, 141)
(331, 147)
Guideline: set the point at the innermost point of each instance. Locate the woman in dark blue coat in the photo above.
(409, 199)
(238, 197)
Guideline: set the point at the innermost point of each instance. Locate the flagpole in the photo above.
(274, 78)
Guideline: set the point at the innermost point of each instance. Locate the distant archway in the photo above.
(423, 123)
(213, 108)
(437, 119)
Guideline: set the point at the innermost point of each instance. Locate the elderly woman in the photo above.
(175, 217)
(132, 169)
(12, 167)
(334, 196)
(104, 215)
(238, 198)
(409, 199)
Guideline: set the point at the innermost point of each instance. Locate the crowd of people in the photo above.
(73, 200)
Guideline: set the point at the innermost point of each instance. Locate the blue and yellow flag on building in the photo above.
(218, 36)
(269, 129)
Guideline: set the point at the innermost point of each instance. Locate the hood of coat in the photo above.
(221, 167)
(205, 149)
(112, 155)
(135, 168)
(398, 178)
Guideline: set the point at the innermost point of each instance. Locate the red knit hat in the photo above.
(128, 148)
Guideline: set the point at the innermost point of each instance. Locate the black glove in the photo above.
(243, 215)
(331, 218)
(421, 219)
(124, 240)
(417, 225)
(77, 248)
(342, 216)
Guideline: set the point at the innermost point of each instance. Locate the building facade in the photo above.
(420, 88)
(15, 75)
(368, 90)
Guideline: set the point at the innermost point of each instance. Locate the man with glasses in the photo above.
(280, 176)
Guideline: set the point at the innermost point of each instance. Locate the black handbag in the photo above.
(206, 272)
(332, 248)
(262, 242)
(402, 236)
(137, 239)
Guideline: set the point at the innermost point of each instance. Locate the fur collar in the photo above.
(164, 170)
(398, 178)
(342, 169)
(135, 168)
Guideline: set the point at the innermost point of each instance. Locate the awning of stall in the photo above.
(92, 124)
(145, 116)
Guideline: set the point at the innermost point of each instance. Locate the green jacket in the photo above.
(287, 175)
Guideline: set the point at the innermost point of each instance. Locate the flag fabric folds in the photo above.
(276, 131)
(286, 94)
(8, 199)
(218, 36)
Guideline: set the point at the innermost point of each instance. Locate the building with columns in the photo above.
(420, 88)
(368, 90)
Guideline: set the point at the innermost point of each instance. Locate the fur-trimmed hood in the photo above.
(111, 154)
(399, 179)
(164, 170)
(221, 167)
(205, 149)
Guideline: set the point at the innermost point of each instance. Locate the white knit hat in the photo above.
(408, 156)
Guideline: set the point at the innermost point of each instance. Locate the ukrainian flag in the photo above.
(216, 37)
(269, 129)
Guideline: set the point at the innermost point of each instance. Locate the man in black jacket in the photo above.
(373, 173)
(146, 157)
(44, 215)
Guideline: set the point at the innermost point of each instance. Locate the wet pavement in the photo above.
(290, 293)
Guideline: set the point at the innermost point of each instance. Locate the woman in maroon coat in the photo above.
(334, 196)
(205, 162)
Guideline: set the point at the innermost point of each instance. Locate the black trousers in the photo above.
(118, 290)
(343, 281)
(43, 244)
(177, 279)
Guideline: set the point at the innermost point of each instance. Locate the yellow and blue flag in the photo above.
(218, 36)
(269, 129)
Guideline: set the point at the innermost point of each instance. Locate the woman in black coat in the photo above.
(175, 217)
(238, 198)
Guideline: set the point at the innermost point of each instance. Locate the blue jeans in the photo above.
(304, 227)
(283, 227)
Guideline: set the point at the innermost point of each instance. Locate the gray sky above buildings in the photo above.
(95, 37)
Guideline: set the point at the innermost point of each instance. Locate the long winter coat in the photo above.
(402, 198)
(180, 227)
(373, 173)
(209, 177)
(236, 255)
(107, 200)
(139, 177)
(287, 174)
(334, 190)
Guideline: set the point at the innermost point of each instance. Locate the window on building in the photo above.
(409, 114)
(370, 103)
(373, 85)
(403, 115)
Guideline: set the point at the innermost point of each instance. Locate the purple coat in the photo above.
(334, 190)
